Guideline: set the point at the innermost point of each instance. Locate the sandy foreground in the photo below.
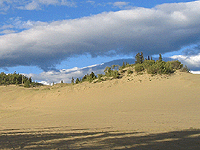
(135, 112)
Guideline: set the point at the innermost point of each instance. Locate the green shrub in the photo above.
(160, 67)
(148, 63)
(139, 67)
(89, 78)
(129, 71)
(153, 69)
(176, 64)
(111, 73)
(123, 66)
(168, 68)
(99, 77)
(27, 84)
(114, 74)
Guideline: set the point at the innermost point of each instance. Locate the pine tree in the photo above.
(160, 58)
(123, 65)
(141, 58)
(77, 81)
(92, 75)
(30, 80)
(137, 58)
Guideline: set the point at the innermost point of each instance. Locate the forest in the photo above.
(17, 79)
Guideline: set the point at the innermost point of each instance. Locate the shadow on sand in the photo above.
(87, 139)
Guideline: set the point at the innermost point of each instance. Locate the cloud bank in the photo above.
(164, 28)
(190, 57)
(65, 75)
(192, 62)
(33, 4)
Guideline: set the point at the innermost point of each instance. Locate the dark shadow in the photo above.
(86, 139)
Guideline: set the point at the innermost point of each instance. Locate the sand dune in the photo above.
(136, 103)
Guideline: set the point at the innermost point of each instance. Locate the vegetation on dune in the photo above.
(114, 72)
(17, 79)
(141, 65)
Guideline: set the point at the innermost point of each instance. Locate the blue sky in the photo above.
(41, 37)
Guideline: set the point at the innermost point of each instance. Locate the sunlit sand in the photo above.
(134, 106)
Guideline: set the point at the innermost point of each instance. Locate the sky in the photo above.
(53, 40)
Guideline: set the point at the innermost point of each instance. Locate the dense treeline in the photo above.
(17, 79)
(148, 64)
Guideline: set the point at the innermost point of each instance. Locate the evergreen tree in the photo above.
(77, 81)
(160, 58)
(123, 65)
(84, 78)
(92, 75)
(30, 80)
(27, 84)
(72, 81)
(139, 58)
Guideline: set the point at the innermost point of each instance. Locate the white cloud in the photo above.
(65, 75)
(192, 61)
(7, 26)
(32, 4)
(49, 2)
(91, 2)
(68, 3)
(162, 29)
(195, 72)
(16, 24)
(3, 6)
(45, 83)
(120, 4)
(7, 31)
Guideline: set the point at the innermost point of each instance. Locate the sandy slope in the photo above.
(139, 103)
(158, 105)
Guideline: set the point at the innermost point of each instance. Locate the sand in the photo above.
(135, 112)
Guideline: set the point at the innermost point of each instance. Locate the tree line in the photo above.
(17, 79)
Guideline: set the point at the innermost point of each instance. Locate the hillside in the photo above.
(136, 103)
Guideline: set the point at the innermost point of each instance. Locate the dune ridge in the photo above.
(134, 103)
(137, 98)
